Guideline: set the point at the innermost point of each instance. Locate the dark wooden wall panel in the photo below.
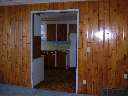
(103, 67)
(36, 47)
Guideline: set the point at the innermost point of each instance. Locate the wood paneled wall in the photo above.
(103, 28)
(15, 45)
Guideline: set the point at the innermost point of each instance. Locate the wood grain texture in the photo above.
(61, 59)
(51, 32)
(103, 28)
(61, 32)
(49, 59)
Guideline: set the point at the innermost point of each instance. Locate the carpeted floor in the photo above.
(8, 90)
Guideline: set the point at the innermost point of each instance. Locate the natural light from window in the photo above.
(43, 33)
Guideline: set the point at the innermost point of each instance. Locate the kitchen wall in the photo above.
(36, 36)
(73, 50)
(103, 31)
(37, 25)
(37, 60)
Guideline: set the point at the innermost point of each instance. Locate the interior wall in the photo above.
(37, 25)
(36, 47)
(36, 36)
(15, 45)
(102, 65)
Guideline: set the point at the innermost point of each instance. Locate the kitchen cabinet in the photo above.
(51, 32)
(57, 32)
(61, 59)
(54, 59)
(49, 59)
(61, 32)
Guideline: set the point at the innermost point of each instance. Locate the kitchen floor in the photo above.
(59, 80)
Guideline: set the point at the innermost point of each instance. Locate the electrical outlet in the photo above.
(88, 49)
(126, 76)
(84, 82)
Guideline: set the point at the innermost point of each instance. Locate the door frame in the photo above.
(31, 28)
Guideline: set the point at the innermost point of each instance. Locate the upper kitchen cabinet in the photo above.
(61, 32)
(51, 32)
(73, 28)
(56, 32)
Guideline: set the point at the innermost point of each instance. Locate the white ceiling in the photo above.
(19, 2)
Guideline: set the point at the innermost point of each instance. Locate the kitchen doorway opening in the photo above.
(54, 59)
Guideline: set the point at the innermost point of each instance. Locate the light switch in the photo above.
(84, 82)
(88, 49)
(126, 76)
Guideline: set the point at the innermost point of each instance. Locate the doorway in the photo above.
(54, 58)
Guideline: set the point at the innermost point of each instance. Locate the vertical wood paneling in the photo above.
(103, 28)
